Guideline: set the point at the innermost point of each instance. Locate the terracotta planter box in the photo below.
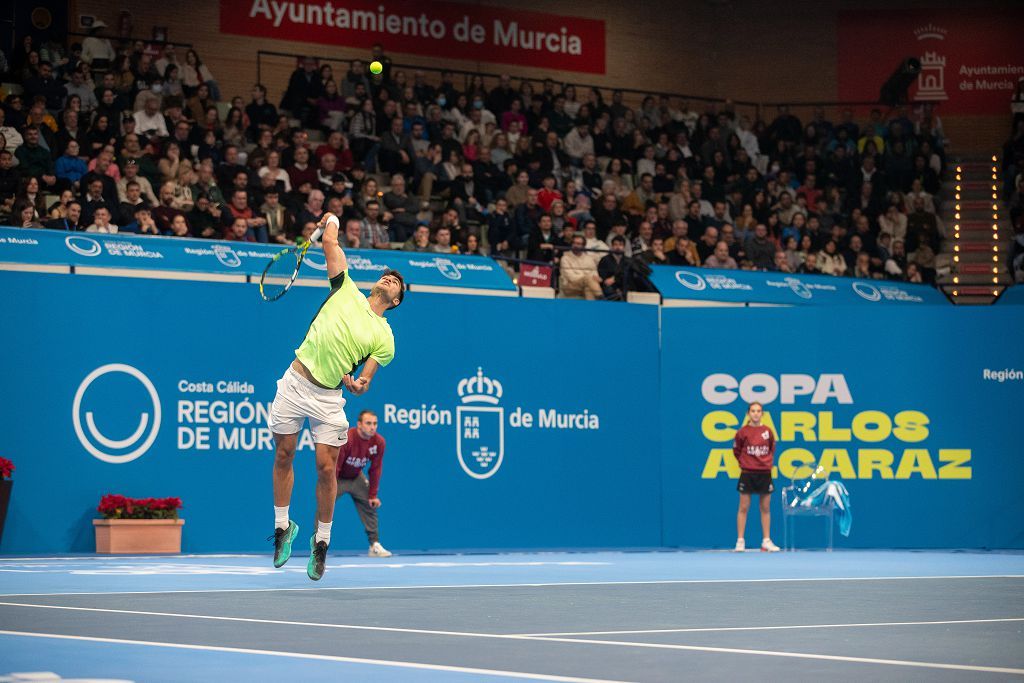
(120, 536)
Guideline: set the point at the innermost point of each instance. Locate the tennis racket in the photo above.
(280, 273)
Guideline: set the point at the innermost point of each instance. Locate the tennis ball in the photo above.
(376, 67)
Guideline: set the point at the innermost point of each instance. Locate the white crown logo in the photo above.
(930, 31)
(479, 389)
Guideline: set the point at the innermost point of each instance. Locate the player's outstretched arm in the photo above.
(329, 227)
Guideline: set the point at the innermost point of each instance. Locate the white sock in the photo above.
(323, 531)
(281, 517)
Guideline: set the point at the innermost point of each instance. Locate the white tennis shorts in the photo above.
(298, 399)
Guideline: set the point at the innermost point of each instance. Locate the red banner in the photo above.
(533, 275)
(436, 29)
(971, 59)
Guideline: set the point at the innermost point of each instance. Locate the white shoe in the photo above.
(768, 547)
(377, 550)
(741, 545)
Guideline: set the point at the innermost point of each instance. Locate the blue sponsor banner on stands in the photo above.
(52, 247)
(743, 286)
(146, 387)
(1013, 295)
(915, 411)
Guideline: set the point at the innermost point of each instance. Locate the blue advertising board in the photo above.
(54, 247)
(500, 432)
(918, 423)
(742, 286)
(1013, 295)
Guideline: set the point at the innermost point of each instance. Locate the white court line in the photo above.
(795, 655)
(527, 585)
(500, 636)
(276, 622)
(326, 658)
(717, 629)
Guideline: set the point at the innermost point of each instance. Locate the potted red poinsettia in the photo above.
(6, 469)
(138, 525)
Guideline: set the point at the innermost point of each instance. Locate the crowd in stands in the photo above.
(134, 138)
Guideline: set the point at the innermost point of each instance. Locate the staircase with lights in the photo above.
(980, 236)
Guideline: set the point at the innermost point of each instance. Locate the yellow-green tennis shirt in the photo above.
(344, 333)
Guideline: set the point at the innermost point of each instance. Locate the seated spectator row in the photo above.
(136, 141)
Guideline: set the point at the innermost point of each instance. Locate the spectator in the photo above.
(127, 207)
(578, 276)
(85, 93)
(205, 218)
(641, 242)
(25, 215)
(101, 221)
(707, 243)
(238, 230)
(70, 168)
(471, 246)
(443, 241)
(922, 227)
(373, 233)
(656, 254)
(330, 107)
(150, 121)
(720, 258)
(579, 143)
(543, 242)
(70, 220)
(195, 73)
(893, 223)
(501, 234)
(239, 208)
(810, 265)
(420, 239)
(683, 252)
(97, 51)
(304, 88)
(262, 114)
(611, 270)
(275, 172)
(830, 261)
(45, 86)
(34, 160)
(402, 207)
(781, 263)
(759, 248)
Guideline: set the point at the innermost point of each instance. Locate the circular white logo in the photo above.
(313, 263)
(448, 269)
(116, 444)
(866, 291)
(84, 246)
(226, 255)
(691, 280)
(799, 288)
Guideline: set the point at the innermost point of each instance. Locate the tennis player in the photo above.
(754, 448)
(348, 330)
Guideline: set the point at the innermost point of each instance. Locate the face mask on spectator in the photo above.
(441, 101)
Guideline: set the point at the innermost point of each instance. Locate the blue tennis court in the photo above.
(560, 616)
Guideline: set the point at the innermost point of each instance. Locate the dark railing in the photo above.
(634, 94)
(467, 75)
(132, 39)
